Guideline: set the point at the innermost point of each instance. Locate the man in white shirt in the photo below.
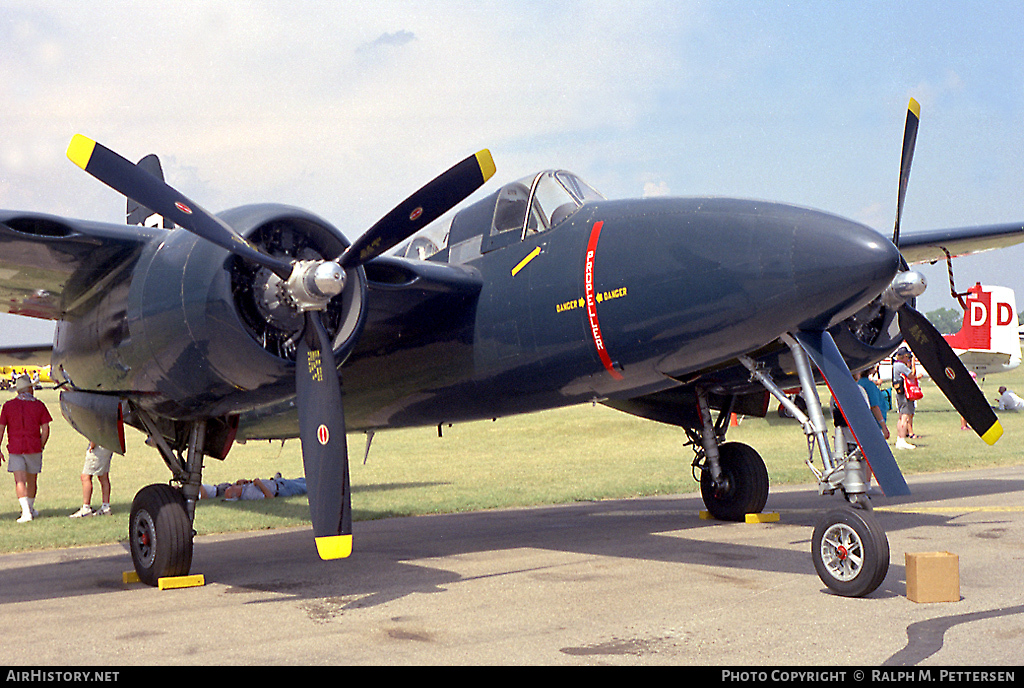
(1008, 401)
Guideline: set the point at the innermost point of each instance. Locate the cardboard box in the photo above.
(933, 577)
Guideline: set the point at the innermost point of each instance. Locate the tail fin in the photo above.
(988, 342)
(140, 214)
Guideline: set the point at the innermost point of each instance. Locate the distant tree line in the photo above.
(946, 320)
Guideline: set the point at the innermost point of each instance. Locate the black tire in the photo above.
(745, 483)
(160, 534)
(850, 552)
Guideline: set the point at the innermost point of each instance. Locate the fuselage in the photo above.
(610, 300)
(620, 300)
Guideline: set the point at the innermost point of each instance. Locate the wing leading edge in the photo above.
(933, 245)
(50, 265)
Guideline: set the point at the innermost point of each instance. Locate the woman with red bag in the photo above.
(908, 391)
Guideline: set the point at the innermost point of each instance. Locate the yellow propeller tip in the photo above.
(993, 434)
(915, 107)
(486, 162)
(334, 546)
(80, 150)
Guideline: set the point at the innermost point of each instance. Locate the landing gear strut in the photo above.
(160, 526)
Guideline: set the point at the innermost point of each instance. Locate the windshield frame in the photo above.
(560, 185)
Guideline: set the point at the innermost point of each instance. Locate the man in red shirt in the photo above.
(27, 424)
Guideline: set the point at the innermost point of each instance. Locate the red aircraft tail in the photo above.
(989, 339)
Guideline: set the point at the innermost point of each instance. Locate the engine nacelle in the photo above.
(189, 326)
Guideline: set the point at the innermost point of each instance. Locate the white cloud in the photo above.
(340, 107)
(655, 189)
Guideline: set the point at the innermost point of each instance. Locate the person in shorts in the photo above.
(97, 463)
(904, 367)
(26, 422)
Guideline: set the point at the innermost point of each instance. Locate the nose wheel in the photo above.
(850, 552)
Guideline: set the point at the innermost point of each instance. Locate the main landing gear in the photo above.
(849, 547)
(160, 532)
(733, 478)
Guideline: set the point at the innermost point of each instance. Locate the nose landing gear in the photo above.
(850, 550)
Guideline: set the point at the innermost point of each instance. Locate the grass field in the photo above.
(575, 454)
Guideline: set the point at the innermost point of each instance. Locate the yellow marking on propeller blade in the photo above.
(993, 434)
(334, 546)
(525, 261)
(80, 150)
(486, 162)
(915, 107)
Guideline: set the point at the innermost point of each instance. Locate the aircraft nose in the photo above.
(838, 266)
(704, 279)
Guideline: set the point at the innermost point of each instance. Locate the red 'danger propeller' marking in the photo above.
(588, 287)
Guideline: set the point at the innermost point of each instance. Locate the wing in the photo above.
(13, 351)
(50, 266)
(930, 246)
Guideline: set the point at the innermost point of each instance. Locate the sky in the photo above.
(345, 108)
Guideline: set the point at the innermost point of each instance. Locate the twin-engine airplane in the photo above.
(201, 328)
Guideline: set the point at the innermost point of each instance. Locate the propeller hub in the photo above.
(907, 285)
(328, 279)
(313, 283)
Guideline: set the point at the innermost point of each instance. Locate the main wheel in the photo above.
(160, 534)
(744, 486)
(850, 552)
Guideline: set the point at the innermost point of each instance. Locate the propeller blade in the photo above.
(909, 141)
(147, 190)
(821, 349)
(949, 373)
(324, 446)
(434, 199)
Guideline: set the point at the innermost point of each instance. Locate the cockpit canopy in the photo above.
(517, 210)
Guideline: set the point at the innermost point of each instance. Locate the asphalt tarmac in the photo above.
(628, 582)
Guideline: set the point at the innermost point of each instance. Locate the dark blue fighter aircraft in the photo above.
(265, 322)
